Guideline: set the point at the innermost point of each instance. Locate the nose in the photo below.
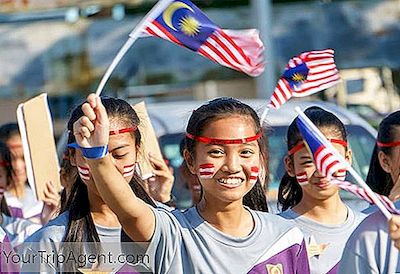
(232, 163)
(19, 165)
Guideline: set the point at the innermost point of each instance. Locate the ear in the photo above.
(349, 156)
(289, 166)
(72, 157)
(189, 161)
(384, 161)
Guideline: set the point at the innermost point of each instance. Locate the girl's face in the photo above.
(226, 172)
(17, 158)
(391, 162)
(301, 164)
(121, 147)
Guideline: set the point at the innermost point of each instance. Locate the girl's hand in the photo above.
(92, 129)
(394, 230)
(160, 186)
(51, 203)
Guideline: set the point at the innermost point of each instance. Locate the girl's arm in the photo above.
(92, 130)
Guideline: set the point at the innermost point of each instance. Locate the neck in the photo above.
(17, 189)
(230, 218)
(101, 213)
(328, 211)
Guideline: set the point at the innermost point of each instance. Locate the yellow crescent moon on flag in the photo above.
(169, 12)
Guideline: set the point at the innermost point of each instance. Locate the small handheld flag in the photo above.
(181, 22)
(186, 25)
(304, 75)
(327, 159)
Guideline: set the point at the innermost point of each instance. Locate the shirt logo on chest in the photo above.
(314, 249)
(274, 268)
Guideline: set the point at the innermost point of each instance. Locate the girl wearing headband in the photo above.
(224, 148)
(384, 169)
(310, 201)
(370, 249)
(86, 217)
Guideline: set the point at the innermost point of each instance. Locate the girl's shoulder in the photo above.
(278, 227)
(53, 231)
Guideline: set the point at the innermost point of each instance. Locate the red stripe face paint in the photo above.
(340, 174)
(302, 178)
(254, 174)
(129, 170)
(84, 173)
(206, 171)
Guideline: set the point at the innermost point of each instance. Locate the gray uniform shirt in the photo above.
(183, 242)
(325, 243)
(370, 248)
(48, 239)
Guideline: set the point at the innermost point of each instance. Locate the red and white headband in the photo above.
(216, 141)
(391, 144)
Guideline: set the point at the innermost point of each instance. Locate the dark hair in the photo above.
(379, 180)
(8, 130)
(222, 108)
(6, 158)
(80, 224)
(290, 192)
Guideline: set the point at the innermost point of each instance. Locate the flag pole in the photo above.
(357, 177)
(264, 115)
(151, 15)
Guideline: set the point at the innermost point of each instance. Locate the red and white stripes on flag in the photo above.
(206, 171)
(305, 74)
(302, 178)
(241, 50)
(361, 193)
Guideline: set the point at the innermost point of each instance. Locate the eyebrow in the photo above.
(305, 157)
(119, 147)
(222, 145)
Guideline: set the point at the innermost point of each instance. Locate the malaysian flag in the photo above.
(332, 165)
(325, 159)
(182, 23)
(304, 75)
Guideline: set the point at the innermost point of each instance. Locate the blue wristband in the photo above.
(94, 152)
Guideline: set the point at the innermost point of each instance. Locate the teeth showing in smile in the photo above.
(230, 181)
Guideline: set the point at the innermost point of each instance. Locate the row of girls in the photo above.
(229, 229)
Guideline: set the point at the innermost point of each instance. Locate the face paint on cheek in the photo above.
(206, 171)
(302, 178)
(129, 170)
(254, 174)
(84, 173)
(340, 175)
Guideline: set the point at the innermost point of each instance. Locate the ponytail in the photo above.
(256, 199)
(290, 192)
(377, 179)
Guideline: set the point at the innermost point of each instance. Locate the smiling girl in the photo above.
(310, 201)
(224, 148)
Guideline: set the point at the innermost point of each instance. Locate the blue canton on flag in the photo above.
(187, 23)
